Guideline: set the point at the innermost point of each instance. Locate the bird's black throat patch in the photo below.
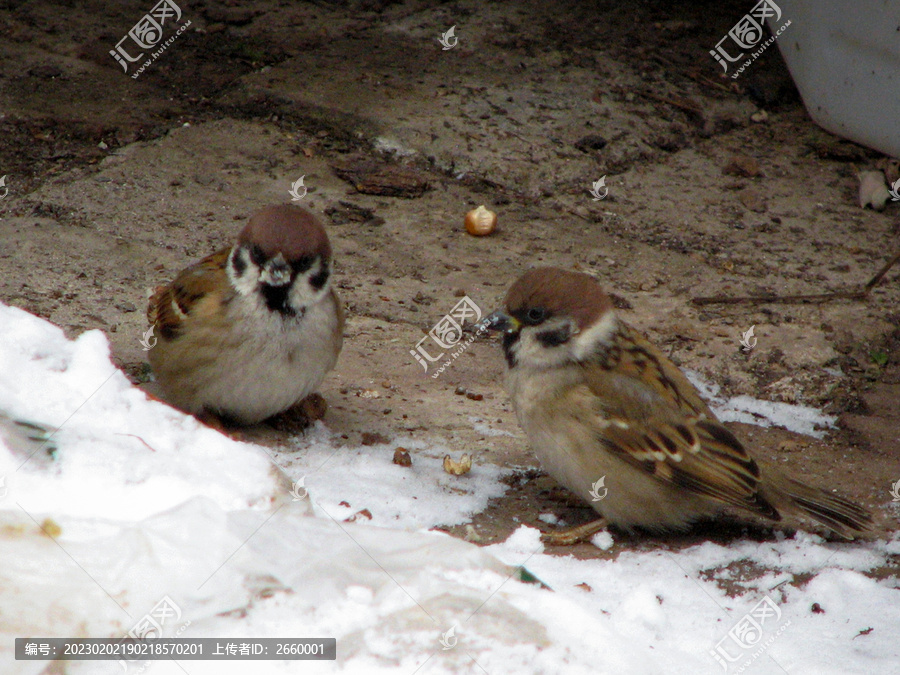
(277, 298)
(510, 338)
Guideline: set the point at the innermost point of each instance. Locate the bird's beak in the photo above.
(499, 321)
(277, 272)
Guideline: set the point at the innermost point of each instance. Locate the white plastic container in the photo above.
(844, 57)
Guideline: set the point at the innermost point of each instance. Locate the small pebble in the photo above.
(373, 438)
(402, 458)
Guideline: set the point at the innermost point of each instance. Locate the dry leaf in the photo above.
(454, 468)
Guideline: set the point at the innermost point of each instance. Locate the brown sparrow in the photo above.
(250, 331)
(596, 399)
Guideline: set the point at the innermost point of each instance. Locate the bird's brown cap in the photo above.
(559, 292)
(287, 229)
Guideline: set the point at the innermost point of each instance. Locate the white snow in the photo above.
(549, 518)
(420, 496)
(801, 419)
(603, 540)
(143, 503)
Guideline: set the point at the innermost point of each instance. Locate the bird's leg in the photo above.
(574, 535)
(301, 415)
(220, 424)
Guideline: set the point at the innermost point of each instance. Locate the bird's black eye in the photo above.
(257, 255)
(318, 280)
(535, 315)
(301, 265)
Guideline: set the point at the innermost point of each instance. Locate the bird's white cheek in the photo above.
(245, 283)
(601, 333)
(529, 352)
(303, 294)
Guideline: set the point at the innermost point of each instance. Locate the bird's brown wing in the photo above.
(651, 416)
(638, 360)
(171, 304)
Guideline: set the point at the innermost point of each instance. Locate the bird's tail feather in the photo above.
(833, 511)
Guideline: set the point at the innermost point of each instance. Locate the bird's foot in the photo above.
(574, 535)
(301, 415)
(221, 424)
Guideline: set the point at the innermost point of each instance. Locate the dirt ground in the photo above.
(115, 184)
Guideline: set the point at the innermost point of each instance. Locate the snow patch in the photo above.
(797, 418)
(142, 503)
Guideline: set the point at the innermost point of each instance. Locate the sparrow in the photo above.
(596, 399)
(252, 330)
